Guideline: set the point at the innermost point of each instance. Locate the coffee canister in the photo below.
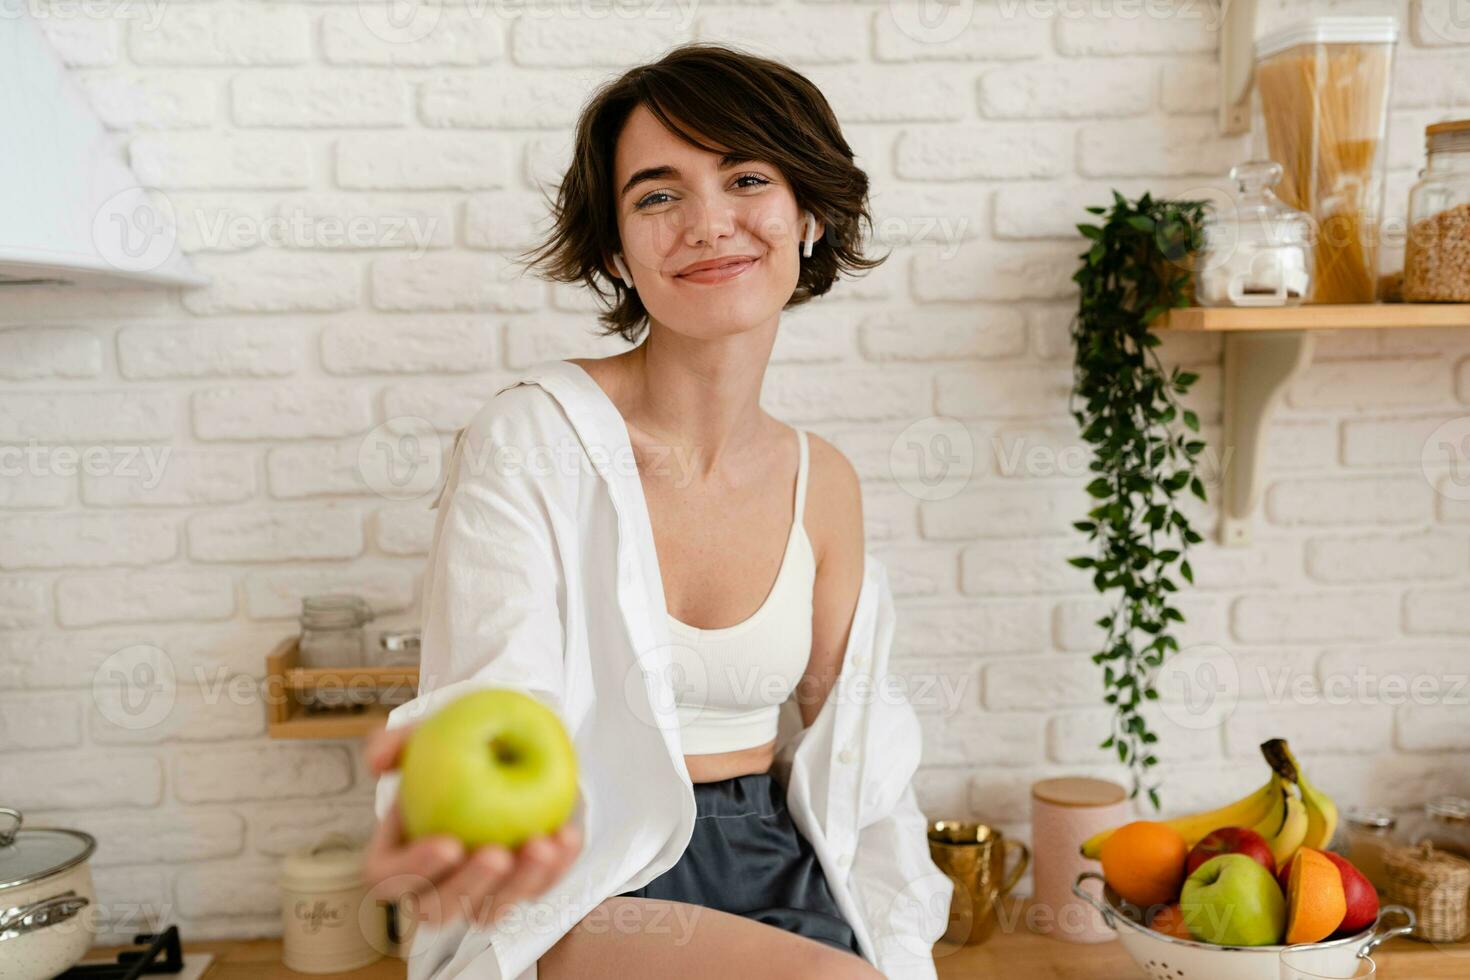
(1064, 813)
(328, 923)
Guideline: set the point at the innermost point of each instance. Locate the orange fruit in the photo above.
(1315, 900)
(1170, 921)
(1144, 862)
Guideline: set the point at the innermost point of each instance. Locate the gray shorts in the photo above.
(746, 857)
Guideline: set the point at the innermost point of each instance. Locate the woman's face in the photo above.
(679, 206)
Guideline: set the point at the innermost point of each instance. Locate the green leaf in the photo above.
(1100, 487)
(1082, 562)
(1191, 419)
(1091, 231)
(1141, 222)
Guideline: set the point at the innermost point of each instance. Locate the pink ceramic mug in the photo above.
(1064, 813)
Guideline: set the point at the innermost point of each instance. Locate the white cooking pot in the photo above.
(1162, 957)
(48, 909)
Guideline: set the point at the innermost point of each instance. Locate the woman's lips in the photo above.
(723, 273)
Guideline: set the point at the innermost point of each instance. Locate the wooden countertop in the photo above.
(1003, 955)
(1035, 957)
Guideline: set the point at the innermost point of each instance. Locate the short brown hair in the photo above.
(754, 106)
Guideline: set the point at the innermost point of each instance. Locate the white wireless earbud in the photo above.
(623, 271)
(811, 233)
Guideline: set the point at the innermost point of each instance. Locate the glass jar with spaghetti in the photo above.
(1437, 253)
(1321, 109)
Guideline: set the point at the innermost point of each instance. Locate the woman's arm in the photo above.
(493, 601)
(836, 532)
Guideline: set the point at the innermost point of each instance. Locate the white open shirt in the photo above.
(543, 577)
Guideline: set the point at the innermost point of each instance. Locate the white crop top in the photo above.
(730, 682)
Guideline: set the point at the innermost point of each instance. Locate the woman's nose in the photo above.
(705, 223)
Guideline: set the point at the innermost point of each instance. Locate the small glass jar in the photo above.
(1446, 822)
(1437, 252)
(332, 636)
(1260, 254)
(1369, 832)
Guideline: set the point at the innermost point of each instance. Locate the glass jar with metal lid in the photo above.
(1258, 251)
(1437, 252)
(1369, 833)
(1447, 823)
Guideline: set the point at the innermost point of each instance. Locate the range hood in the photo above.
(71, 211)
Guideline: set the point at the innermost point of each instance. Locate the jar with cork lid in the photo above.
(1437, 252)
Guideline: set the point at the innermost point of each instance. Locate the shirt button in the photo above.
(862, 660)
(846, 859)
(845, 757)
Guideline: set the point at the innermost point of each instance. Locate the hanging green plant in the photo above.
(1136, 268)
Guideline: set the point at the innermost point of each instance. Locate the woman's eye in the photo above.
(655, 197)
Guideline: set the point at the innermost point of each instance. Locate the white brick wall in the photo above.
(228, 420)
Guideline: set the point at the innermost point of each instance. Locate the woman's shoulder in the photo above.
(834, 502)
(521, 406)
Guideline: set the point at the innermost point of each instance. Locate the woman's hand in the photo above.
(448, 882)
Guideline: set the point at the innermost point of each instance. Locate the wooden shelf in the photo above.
(1266, 349)
(1323, 317)
(288, 717)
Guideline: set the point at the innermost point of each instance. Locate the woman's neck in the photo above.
(700, 397)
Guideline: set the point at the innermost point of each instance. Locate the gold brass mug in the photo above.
(975, 856)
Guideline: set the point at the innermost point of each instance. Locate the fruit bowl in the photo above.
(1163, 957)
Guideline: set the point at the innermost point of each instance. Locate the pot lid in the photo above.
(39, 852)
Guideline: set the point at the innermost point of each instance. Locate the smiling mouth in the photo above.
(720, 273)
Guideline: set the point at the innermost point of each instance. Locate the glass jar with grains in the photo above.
(1437, 253)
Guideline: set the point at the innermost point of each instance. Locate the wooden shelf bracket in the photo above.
(1259, 365)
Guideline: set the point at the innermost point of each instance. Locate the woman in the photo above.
(713, 190)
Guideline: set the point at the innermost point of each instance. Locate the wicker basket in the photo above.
(1435, 885)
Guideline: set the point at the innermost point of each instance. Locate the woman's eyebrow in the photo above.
(659, 173)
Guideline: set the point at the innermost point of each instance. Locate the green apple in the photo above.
(1232, 900)
(494, 766)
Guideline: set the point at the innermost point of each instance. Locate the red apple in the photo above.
(1362, 897)
(1230, 840)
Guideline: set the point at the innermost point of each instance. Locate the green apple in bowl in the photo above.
(494, 766)
(1232, 900)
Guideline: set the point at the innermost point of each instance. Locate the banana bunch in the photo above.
(1285, 827)
(1274, 810)
(1318, 814)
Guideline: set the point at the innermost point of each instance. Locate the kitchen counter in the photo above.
(1016, 954)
